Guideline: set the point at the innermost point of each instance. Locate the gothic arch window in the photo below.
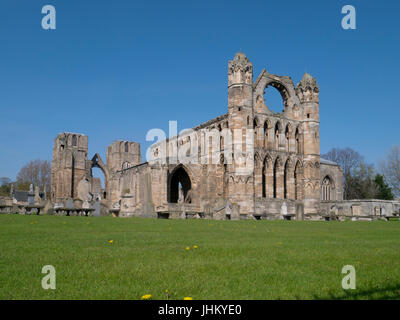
(287, 138)
(285, 180)
(277, 129)
(297, 181)
(264, 179)
(326, 192)
(275, 180)
(255, 124)
(266, 134)
(297, 138)
(74, 141)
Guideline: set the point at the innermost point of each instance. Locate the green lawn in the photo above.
(234, 259)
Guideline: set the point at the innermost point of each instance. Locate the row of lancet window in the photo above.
(277, 133)
(282, 182)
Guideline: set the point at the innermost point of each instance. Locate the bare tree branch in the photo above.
(37, 172)
(391, 169)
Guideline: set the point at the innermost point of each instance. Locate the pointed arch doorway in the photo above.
(179, 179)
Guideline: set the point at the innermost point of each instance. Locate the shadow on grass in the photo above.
(390, 292)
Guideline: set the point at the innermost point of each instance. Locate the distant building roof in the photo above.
(325, 161)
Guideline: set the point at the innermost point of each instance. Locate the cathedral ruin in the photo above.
(247, 163)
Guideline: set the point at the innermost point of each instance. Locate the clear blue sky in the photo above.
(115, 69)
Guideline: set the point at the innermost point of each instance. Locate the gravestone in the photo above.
(299, 211)
(284, 209)
(97, 209)
(37, 196)
(58, 205)
(85, 205)
(31, 196)
(69, 204)
(235, 211)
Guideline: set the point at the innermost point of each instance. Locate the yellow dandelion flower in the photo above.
(195, 246)
(111, 241)
(187, 248)
(187, 298)
(146, 297)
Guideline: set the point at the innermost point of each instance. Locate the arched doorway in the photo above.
(100, 185)
(179, 179)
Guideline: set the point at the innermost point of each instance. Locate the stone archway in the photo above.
(97, 162)
(284, 85)
(179, 178)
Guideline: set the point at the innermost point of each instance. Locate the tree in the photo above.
(383, 191)
(5, 186)
(360, 183)
(36, 172)
(4, 181)
(350, 161)
(390, 168)
(347, 158)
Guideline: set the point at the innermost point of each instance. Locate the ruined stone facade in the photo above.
(247, 163)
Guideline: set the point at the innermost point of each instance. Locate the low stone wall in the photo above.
(372, 208)
(273, 209)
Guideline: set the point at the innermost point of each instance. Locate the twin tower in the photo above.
(71, 172)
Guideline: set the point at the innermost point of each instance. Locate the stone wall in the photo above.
(360, 208)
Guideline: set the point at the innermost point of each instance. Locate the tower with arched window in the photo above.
(69, 165)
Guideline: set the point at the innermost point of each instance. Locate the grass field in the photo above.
(116, 258)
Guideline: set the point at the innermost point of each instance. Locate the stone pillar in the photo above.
(279, 181)
(269, 179)
(308, 93)
(290, 182)
(258, 172)
(240, 118)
